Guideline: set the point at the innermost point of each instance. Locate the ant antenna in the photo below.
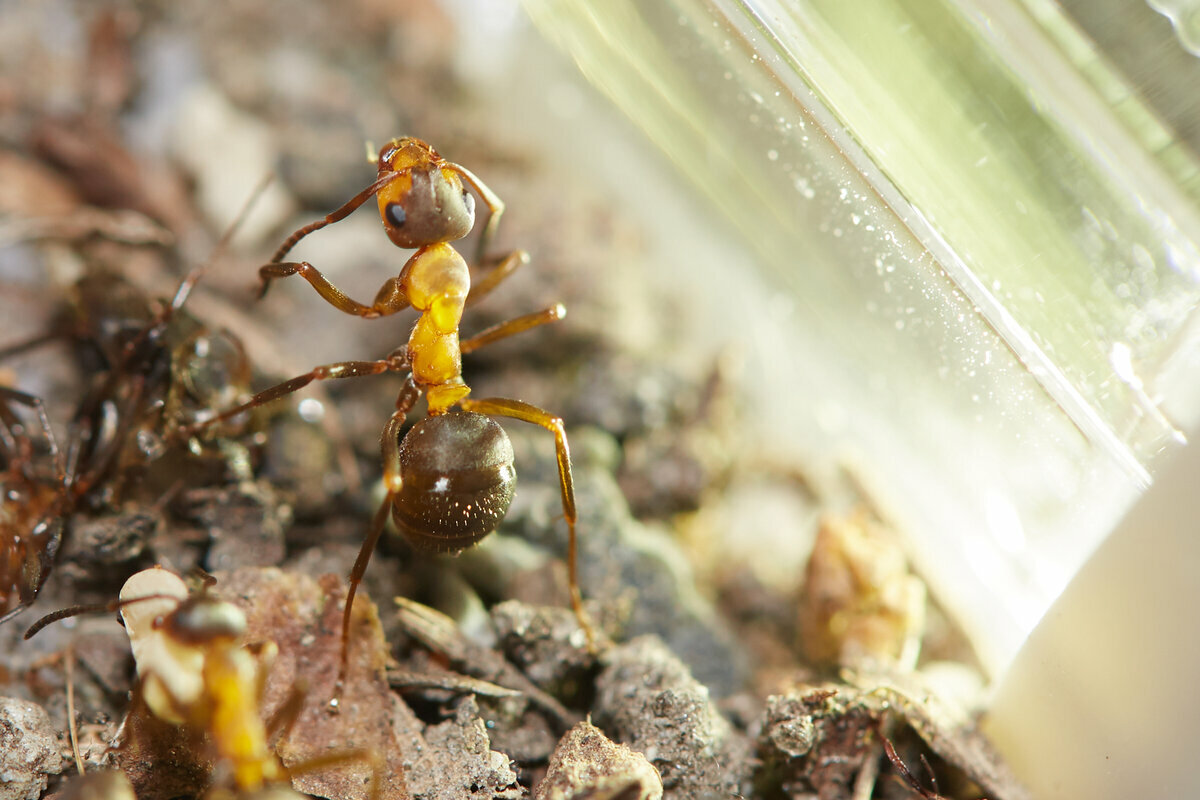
(197, 272)
(90, 608)
(336, 216)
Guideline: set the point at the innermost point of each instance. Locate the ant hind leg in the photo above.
(392, 481)
(516, 409)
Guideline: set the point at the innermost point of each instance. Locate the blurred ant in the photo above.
(196, 671)
(450, 479)
(103, 785)
(160, 366)
(32, 504)
(890, 750)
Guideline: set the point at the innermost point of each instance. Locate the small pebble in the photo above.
(587, 760)
(28, 750)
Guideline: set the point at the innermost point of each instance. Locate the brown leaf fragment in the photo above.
(29, 190)
(948, 732)
(119, 225)
(106, 174)
(303, 617)
(162, 760)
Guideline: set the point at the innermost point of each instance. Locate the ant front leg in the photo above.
(507, 266)
(495, 209)
(516, 409)
(391, 296)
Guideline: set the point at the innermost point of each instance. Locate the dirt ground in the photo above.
(131, 135)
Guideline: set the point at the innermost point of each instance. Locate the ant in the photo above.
(160, 366)
(196, 671)
(104, 785)
(32, 505)
(449, 481)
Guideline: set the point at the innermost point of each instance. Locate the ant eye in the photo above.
(396, 215)
(469, 202)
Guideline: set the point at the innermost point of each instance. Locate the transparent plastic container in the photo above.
(983, 229)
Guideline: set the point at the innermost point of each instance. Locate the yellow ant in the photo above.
(450, 479)
(196, 671)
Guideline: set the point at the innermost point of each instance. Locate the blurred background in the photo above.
(936, 258)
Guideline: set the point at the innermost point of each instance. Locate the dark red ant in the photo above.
(150, 378)
(32, 503)
(160, 368)
(450, 479)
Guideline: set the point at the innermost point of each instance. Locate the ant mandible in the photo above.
(450, 479)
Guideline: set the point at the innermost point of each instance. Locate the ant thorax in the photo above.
(438, 282)
(171, 673)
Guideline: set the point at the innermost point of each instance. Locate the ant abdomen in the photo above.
(458, 481)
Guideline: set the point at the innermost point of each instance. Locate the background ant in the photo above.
(32, 505)
(450, 479)
(158, 368)
(200, 686)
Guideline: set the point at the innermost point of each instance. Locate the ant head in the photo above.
(427, 202)
(202, 619)
(148, 597)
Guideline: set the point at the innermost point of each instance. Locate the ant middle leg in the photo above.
(513, 326)
(494, 276)
(516, 409)
(396, 362)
